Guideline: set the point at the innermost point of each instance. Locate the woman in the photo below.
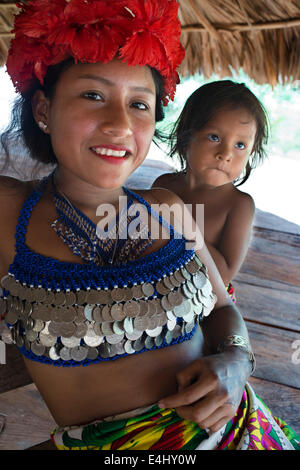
(93, 76)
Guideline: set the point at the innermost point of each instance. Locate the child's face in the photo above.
(219, 152)
(98, 110)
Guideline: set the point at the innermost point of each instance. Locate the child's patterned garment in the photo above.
(252, 428)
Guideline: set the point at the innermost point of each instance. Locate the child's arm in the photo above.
(232, 247)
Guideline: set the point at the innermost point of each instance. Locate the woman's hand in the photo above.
(210, 389)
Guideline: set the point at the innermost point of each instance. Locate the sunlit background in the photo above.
(275, 185)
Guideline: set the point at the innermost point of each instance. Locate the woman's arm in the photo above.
(210, 388)
(232, 247)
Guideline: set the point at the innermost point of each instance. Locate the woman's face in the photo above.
(101, 121)
(219, 152)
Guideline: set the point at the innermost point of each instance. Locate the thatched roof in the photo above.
(260, 36)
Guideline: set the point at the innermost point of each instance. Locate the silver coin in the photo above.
(44, 312)
(171, 324)
(31, 335)
(56, 314)
(176, 332)
(188, 317)
(140, 323)
(136, 334)
(128, 347)
(80, 317)
(168, 283)
(161, 319)
(207, 289)
(97, 313)
(79, 353)
(152, 307)
(148, 289)
(67, 329)
(47, 340)
(189, 326)
(68, 313)
(161, 288)
(59, 298)
(158, 340)
(40, 294)
(71, 298)
(116, 312)
(174, 281)
(70, 342)
(128, 325)
(49, 297)
(186, 292)
(104, 297)
(113, 339)
(92, 296)
(20, 342)
(54, 328)
(80, 330)
(185, 273)
(199, 279)
(6, 281)
(65, 354)
(39, 325)
(149, 342)
(198, 260)
(154, 332)
(11, 317)
(178, 276)
(53, 354)
(106, 315)
(37, 348)
(88, 309)
(92, 354)
(97, 329)
(81, 296)
(165, 303)
(175, 298)
(137, 292)
(191, 287)
(117, 294)
(180, 310)
(144, 308)
(92, 339)
(118, 327)
(138, 344)
(192, 266)
(116, 349)
(106, 328)
(6, 335)
(104, 350)
(131, 308)
(197, 309)
(128, 295)
(152, 322)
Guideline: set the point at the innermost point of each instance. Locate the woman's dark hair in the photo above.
(23, 128)
(204, 103)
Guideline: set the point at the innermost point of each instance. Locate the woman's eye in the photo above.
(240, 145)
(93, 95)
(214, 137)
(140, 106)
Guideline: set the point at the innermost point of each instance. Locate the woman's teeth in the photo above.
(109, 152)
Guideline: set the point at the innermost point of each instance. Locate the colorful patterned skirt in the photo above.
(252, 428)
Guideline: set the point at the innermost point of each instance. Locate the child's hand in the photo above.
(210, 390)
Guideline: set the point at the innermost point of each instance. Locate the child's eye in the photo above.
(139, 105)
(93, 95)
(214, 137)
(240, 145)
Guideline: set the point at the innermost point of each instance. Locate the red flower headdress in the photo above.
(141, 32)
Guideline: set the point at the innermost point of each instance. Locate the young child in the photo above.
(219, 138)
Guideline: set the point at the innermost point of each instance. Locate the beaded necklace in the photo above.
(82, 236)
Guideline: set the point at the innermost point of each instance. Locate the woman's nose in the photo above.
(117, 123)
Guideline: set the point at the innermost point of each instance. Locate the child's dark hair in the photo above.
(204, 103)
(23, 128)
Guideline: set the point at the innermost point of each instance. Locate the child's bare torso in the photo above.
(217, 202)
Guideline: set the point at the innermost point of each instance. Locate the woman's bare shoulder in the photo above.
(13, 192)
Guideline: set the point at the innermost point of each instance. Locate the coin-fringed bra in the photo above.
(71, 314)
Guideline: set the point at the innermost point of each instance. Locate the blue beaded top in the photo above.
(35, 270)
